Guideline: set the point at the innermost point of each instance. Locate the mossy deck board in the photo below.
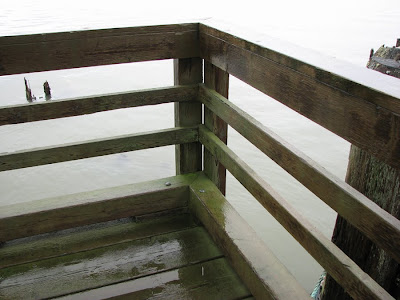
(211, 280)
(54, 245)
(257, 266)
(48, 215)
(107, 265)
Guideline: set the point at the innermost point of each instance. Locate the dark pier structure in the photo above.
(178, 237)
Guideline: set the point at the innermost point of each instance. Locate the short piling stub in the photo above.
(47, 90)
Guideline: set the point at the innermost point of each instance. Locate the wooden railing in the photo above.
(366, 117)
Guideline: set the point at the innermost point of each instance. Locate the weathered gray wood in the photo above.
(258, 267)
(218, 80)
(58, 244)
(52, 51)
(92, 104)
(98, 147)
(348, 202)
(348, 109)
(380, 98)
(47, 215)
(380, 183)
(356, 282)
(107, 265)
(213, 280)
(188, 157)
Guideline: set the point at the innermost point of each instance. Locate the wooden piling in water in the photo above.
(381, 183)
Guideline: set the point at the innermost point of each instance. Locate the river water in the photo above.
(343, 29)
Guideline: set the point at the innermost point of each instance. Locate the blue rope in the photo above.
(319, 288)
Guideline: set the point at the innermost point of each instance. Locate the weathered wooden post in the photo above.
(188, 156)
(381, 183)
(218, 80)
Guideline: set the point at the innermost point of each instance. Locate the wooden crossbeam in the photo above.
(47, 215)
(97, 147)
(91, 104)
(65, 50)
(360, 211)
(346, 272)
(365, 117)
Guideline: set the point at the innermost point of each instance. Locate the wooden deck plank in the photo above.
(212, 280)
(346, 272)
(97, 147)
(47, 215)
(108, 265)
(360, 211)
(54, 245)
(64, 50)
(14, 114)
(258, 267)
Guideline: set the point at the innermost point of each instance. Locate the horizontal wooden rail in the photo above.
(92, 104)
(65, 50)
(366, 118)
(259, 268)
(98, 147)
(47, 215)
(356, 282)
(360, 211)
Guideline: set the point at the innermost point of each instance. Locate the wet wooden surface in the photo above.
(350, 110)
(97, 147)
(47, 215)
(218, 80)
(258, 267)
(64, 50)
(165, 258)
(348, 202)
(188, 157)
(346, 272)
(20, 113)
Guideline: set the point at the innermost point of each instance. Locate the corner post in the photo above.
(188, 156)
(218, 80)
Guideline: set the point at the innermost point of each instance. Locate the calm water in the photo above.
(344, 30)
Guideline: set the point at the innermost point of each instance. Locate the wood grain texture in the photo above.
(260, 270)
(188, 157)
(107, 265)
(212, 280)
(97, 147)
(380, 183)
(60, 243)
(347, 85)
(92, 104)
(348, 202)
(65, 50)
(329, 102)
(48, 215)
(218, 80)
(356, 282)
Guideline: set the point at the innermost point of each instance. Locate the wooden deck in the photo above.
(185, 244)
(169, 257)
(178, 237)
